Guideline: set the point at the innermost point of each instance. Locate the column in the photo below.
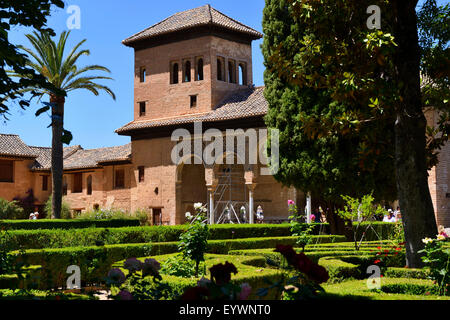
(308, 207)
(251, 206)
(211, 213)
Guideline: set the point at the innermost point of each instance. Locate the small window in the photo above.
(6, 171)
(44, 183)
(64, 186)
(187, 71)
(89, 185)
(193, 101)
(174, 73)
(220, 69)
(142, 107)
(77, 183)
(199, 71)
(141, 171)
(242, 74)
(119, 179)
(96, 207)
(142, 74)
(231, 71)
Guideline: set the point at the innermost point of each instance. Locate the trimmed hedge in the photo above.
(57, 238)
(384, 230)
(66, 224)
(95, 262)
(251, 270)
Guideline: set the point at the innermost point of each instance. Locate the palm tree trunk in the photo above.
(57, 154)
(412, 178)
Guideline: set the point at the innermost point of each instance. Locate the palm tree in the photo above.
(66, 76)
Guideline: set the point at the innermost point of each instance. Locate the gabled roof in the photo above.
(12, 145)
(201, 16)
(240, 104)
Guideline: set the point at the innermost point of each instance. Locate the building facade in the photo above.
(193, 68)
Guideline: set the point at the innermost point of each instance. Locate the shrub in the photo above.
(360, 211)
(10, 210)
(179, 266)
(65, 209)
(27, 203)
(437, 260)
(194, 241)
(65, 224)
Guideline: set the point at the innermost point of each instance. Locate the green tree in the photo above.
(327, 164)
(48, 59)
(361, 83)
(27, 13)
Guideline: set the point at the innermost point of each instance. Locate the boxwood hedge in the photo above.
(66, 224)
(95, 262)
(60, 238)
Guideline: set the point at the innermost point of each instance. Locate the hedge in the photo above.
(251, 270)
(59, 238)
(383, 230)
(95, 262)
(66, 224)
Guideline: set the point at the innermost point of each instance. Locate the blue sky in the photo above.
(105, 23)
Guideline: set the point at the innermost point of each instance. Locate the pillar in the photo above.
(308, 207)
(211, 213)
(251, 206)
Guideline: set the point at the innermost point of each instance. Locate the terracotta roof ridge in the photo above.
(234, 20)
(9, 134)
(158, 23)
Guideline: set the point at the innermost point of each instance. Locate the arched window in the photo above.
(242, 74)
(174, 73)
(187, 71)
(89, 185)
(199, 74)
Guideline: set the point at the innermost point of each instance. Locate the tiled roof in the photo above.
(238, 105)
(201, 16)
(44, 159)
(12, 145)
(91, 158)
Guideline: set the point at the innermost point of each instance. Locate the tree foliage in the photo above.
(333, 140)
(28, 13)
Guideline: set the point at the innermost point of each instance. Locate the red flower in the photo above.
(221, 273)
(379, 248)
(377, 261)
(195, 293)
(287, 251)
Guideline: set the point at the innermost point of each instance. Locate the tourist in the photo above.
(259, 214)
(442, 232)
(389, 217)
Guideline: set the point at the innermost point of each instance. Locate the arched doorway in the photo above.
(191, 188)
(230, 194)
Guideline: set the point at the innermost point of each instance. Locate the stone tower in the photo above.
(187, 63)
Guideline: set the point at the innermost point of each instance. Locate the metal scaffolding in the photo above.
(229, 197)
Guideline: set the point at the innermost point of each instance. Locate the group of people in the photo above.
(34, 215)
(393, 216)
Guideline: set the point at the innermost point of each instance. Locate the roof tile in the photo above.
(201, 16)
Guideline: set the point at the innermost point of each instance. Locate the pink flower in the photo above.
(291, 202)
(246, 289)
